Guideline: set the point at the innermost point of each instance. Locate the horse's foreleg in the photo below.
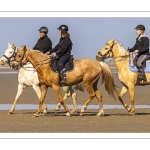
(122, 93)
(19, 92)
(43, 94)
(38, 92)
(67, 94)
(131, 92)
(59, 95)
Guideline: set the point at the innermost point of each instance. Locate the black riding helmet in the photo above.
(140, 27)
(63, 28)
(43, 29)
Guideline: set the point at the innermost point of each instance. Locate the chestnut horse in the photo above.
(121, 58)
(85, 70)
(27, 77)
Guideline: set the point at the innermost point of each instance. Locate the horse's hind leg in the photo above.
(19, 92)
(74, 98)
(91, 96)
(99, 98)
(38, 92)
(122, 93)
(68, 91)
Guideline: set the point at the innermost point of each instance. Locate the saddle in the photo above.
(69, 66)
(134, 68)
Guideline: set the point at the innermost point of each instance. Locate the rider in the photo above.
(62, 51)
(142, 48)
(44, 43)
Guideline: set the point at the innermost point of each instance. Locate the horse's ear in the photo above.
(8, 43)
(24, 46)
(13, 44)
(113, 41)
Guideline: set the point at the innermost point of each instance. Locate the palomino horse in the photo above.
(121, 58)
(27, 77)
(85, 70)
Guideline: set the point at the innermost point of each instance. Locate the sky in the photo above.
(88, 34)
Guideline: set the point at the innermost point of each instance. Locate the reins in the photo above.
(39, 64)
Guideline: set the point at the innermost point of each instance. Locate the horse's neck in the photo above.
(121, 58)
(38, 60)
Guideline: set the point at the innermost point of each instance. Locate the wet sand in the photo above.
(114, 120)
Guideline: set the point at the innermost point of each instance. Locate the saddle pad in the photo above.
(134, 69)
(69, 66)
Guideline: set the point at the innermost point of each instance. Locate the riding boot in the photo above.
(142, 74)
(63, 76)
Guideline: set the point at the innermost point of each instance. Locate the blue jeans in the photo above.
(62, 61)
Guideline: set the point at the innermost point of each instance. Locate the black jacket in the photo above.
(64, 47)
(142, 44)
(43, 44)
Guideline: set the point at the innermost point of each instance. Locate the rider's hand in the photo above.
(136, 51)
(54, 55)
(47, 53)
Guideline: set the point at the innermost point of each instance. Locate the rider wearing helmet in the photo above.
(142, 48)
(62, 50)
(44, 43)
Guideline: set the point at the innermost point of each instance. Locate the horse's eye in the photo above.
(19, 55)
(10, 52)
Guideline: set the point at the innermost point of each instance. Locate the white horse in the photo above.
(28, 77)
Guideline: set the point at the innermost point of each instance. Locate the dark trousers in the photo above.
(62, 61)
(142, 59)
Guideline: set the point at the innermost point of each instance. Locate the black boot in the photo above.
(142, 74)
(63, 76)
(63, 81)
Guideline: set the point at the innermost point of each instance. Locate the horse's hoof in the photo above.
(44, 112)
(56, 110)
(35, 115)
(10, 113)
(73, 112)
(68, 114)
(81, 114)
(131, 113)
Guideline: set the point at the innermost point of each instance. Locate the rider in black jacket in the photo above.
(142, 48)
(62, 51)
(44, 43)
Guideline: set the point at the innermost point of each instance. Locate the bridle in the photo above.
(12, 57)
(25, 56)
(108, 52)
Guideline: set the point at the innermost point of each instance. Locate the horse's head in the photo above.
(9, 54)
(106, 51)
(20, 58)
(112, 49)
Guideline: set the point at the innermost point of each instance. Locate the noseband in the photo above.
(108, 52)
(12, 56)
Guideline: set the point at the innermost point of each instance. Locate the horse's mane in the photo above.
(122, 49)
(38, 51)
(124, 54)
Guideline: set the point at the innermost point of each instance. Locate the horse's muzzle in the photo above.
(99, 58)
(2, 62)
(15, 65)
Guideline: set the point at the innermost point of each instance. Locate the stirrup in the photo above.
(63, 81)
(142, 77)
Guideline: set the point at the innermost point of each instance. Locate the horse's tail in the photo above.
(80, 86)
(108, 80)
